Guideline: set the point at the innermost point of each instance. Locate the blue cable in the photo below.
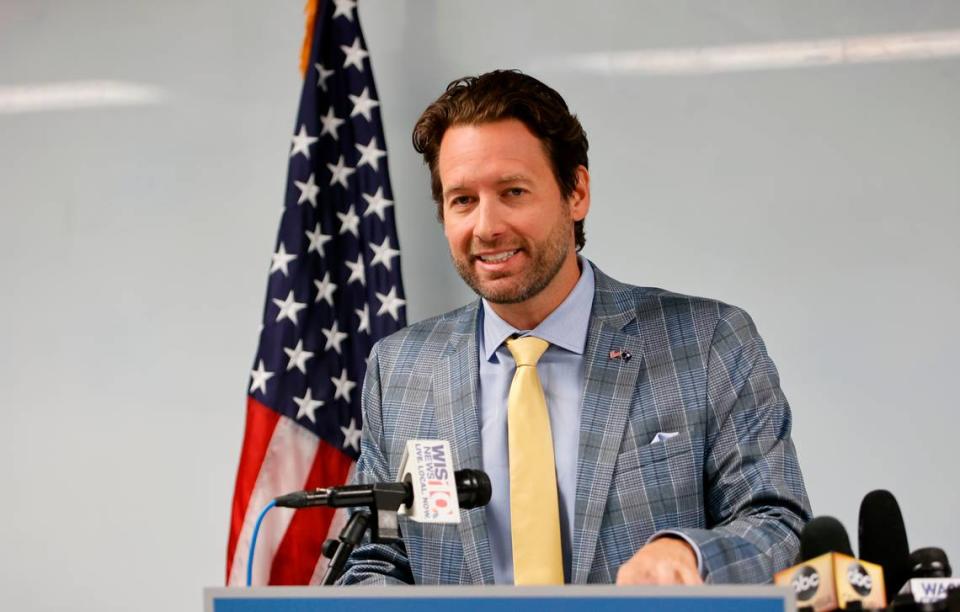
(253, 539)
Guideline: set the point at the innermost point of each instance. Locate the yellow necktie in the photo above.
(534, 510)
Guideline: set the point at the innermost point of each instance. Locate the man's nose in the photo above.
(489, 220)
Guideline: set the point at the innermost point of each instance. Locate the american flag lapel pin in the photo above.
(617, 354)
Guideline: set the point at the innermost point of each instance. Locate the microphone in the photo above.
(930, 562)
(822, 535)
(883, 538)
(829, 577)
(428, 490)
(930, 581)
(438, 492)
(472, 486)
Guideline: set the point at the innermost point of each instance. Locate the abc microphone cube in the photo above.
(835, 581)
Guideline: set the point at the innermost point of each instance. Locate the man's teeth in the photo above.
(498, 257)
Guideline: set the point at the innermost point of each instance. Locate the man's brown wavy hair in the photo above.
(499, 95)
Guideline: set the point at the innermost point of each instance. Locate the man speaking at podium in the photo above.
(632, 435)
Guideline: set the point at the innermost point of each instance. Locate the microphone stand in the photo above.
(338, 550)
(384, 528)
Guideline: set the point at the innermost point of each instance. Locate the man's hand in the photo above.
(666, 560)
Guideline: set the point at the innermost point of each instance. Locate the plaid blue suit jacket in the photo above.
(729, 481)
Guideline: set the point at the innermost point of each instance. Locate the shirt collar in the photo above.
(565, 327)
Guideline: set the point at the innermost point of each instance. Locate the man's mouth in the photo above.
(497, 257)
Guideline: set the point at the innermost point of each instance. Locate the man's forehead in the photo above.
(503, 137)
(491, 154)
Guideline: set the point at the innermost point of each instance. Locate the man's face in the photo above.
(509, 229)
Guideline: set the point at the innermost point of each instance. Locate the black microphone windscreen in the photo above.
(930, 562)
(473, 488)
(822, 535)
(883, 539)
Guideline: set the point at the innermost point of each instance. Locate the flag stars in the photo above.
(364, 314)
(377, 204)
(343, 386)
(307, 406)
(259, 377)
(363, 104)
(344, 8)
(349, 222)
(322, 75)
(308, 191)
(325, 289)
(355, 54)
(317, 240)
(351, 435)
(369, 153)
(289, 308)
(301, 142)
(390, 303)
(383, 253)
(357, 271)
(281, 259)
(340, 172)
(330, 123)
(330, 175)
(334, 338)
(297, 357)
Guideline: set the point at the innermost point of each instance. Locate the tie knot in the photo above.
(527, 351)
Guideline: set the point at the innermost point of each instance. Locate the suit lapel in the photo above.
(608, 390)
(456, 409)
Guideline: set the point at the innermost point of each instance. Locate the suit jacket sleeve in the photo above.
(375, 563)
(755, 498)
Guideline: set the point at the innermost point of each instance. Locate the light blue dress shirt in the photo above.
(561, 374)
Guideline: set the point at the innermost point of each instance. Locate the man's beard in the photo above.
(545, 263)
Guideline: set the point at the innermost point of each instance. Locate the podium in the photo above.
(592, 598)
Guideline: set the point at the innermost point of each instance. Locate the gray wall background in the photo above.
(135, 243)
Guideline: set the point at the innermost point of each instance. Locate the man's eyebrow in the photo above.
(454, 189)
(513, 178)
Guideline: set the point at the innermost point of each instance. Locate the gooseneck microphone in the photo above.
(883, 539)
(473, 490)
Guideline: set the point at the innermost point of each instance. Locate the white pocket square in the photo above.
(663, 436)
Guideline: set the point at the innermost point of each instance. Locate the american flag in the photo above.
(334, 289)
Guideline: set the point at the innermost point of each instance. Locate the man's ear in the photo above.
(579, 199)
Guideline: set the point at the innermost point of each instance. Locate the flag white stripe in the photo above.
(285, 468)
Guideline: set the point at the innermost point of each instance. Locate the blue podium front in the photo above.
(592, 598)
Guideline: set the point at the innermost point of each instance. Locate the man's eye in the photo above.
(460, 200)
(515, 192)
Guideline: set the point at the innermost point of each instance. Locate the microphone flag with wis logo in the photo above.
(428, 466)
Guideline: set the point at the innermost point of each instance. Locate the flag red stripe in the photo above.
(300, 549)
(261, 422)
